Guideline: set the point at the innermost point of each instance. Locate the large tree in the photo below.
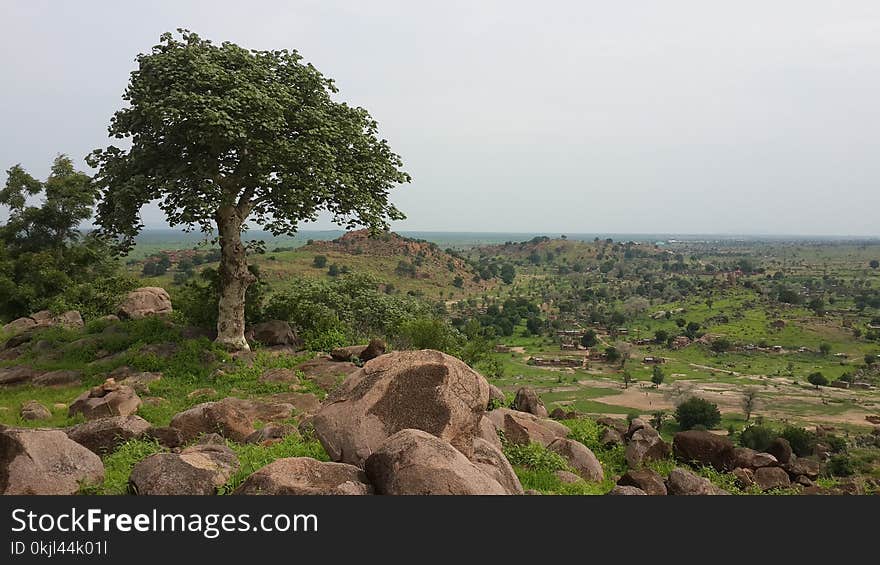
(221, 134)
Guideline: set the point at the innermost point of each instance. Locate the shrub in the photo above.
(320, 261)
(817, 379)
(429, 333)
(802, 442)
(757, 437)
(534, 456)
(841, 466)
(697, 412)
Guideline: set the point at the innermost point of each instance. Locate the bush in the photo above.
(802, 442)
(429, 333)
(841, 466)
(757, 437)
(534, 456)
(320, 261)
(817, 379)
(697, 412)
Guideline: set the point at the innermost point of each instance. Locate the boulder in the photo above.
(19, 325)
(302, 403)
(750, 459)
(143, 302)
(425, 390)
(704, 448)
(306, 476)
(683, 482)
(280, 375)
(69, 319)
(17, 374)
(609, 437)
(197, 470)
(416, 462)
(221, 417)
(579, 457)
(524, 428)
(33, 410)
(617, 424)
(805, 481)
(645, 479)
(488, 432)
(567, 477)
(496, 395)
(106, 434)
(626, 490)
(771, 477)
(107, 399)
(490, 459)
(326, 372)
(806, 466)
(645, 445)
(57, 378)
(781, 450)
(274, 332)
(745, 477)
(635, 425)
(527, 400)
(165, 436)
(141, 382)
(41, 461)
(362, 353)
(272, 432)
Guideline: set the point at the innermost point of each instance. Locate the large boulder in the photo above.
(306, 476)
(496, 395)
(20, 325)
(579, 457)
(33, 410)
(806, 466)
(645, 445)
(626, 490)
(609, 437)
(645, 479)
(425, 390)
(326, 372)
(274, 332)
(59, 377)
(635, 425)
(746, 458)
(69, 319)
(618, 424)
(17, 374)
(362, 353)
(416, 462)
(106, 434)
(107, 399)
(491, 460)
(704, 448)
(145, 301)
(771, 477)
(39, 461)
(221, 417)
(781, 450)
(524, 428)
(141, 382)
(527, 400)
(683, 482)
(488, 432)
(197, 470)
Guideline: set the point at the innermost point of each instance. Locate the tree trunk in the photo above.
(234, 280)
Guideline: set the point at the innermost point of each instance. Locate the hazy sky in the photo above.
(588, 116)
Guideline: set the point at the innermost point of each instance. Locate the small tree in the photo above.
(824, 348)
(627, 378)
(333, 270)
(817, 379)
(720, 345)
(320, 261)
(874, 263)
(749, 401)
(661, 336)
(612, 355)
(657, 375)
(220, 135)
(697, 412)
(589, 338)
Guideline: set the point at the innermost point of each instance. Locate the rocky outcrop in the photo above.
(746, 458)
(280, 375)
(645, 445)
(232, 418)
(58, 378)
(106, 434)
(683, 482)
(416, 462)
(490, 459)
(306, 476)
(17, 374)
(197, 470)
(524, 428)
(781, 450)
(424, 390)
(326, 372)
(579, 457)
(274, 332)
(527, 400)
(107, 399)
(704, 448)
(42, 461)
(44, 319)
(145, 301)
(362, 353)
(771, 477)
(650, 482)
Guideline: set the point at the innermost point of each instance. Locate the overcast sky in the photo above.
(590, 116)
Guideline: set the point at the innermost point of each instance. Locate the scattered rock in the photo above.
(745, 477)
(197, 470)
(496, 394)
(40, 461)
(141, 382)
(771, 477)
(636, 425)
(19, 325)
(202, 392)
(703, 447)
(804, 481)
(274, 332)
(362, 353)
(106, 434)
(610, 437)
(524, 428)
(306, 476)
(280, 375)
(57, 378)
(567, 477)
(166, 436)
(683, 482)
(487, 432)
(617, 424)
(145, 301)
(781, 450)
(426, 390)
(416, 462)
(272, 432)
(107, 399)
(626, 490)
(213, 417)
(645, 445)
(806, 466)
(750, 459)
(646, 480)
(326, 372)
(33, 410)
(17, 374)
(490, 459)
(69, 319)
(527, 400)
(303, 403)
(579, 456)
